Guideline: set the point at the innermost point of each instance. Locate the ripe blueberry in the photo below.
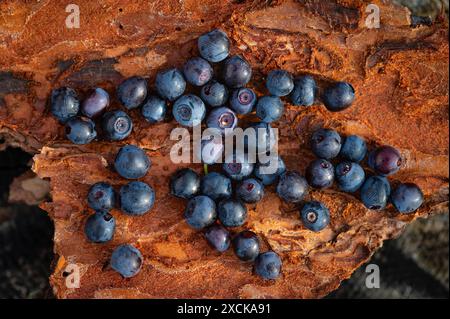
(214, 93)
(339, 96)
(136, 198)
(95, 103)
(100, 227)
(385, 160)
(268, 265)
(263, 171)
(407, 198)
(200, 212)
(242, 100)
(246, 245)
(117, 125)
(184, 183)
(326, 143)
(269, 108)
(154, 109)
(218, 237)
(223, 119)
(210, 150)
(237, 166)
(236, 72)
(170, 84)
(64, 104)
(353, 149)
(304, 92)
(126, 260)
(320, 173)
(214, 45)
(80, 130)
(232, 212)
(279, 82)
(292, 187)
(101, 196)
(132, 92)
(375, 192)
(250, 190)
(315, 216)
(131, 162)
(216, 186)
(197, 71)
(349, 176)
(189, 110)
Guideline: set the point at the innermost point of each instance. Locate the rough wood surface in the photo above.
(400, 75)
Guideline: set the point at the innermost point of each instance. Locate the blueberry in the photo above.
(353, 149)
(223, 119)
(232, 212)
(304, 92)
(126, 260)
(292, 187)
(96, 102)
(218, 237)
(154, 109)
(320, 173)
(265, 138)
(170, 84)
(338, 97)
(250, 190)
(270, 178)
(214, 45)
(132, 92)
(385, 160)
(117, 125)
(101, 196)
(64, 104)
(242, 100)
(184, 183)
(407, 198)
(99, 227)
(349, 176)
(326, 143)
(279, 82)
(136, 198)
(210, 150)
(375, 193)
(268, 265)
(214, 93)
(80, 130)
(189, 110)
(200, 212)
(246, 245)
(216, 186)
(237, 166)
(236, 72)
(269, 108)
(131, 162)
(197, 71)
(315, 216)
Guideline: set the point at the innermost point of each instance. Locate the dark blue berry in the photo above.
(117, 125)
(238, 166)
(349, 176)
(189, 110)
(170, 84)
(184, 183)
(242, 100)
(264, 172)
(375, 193)
(407, 198)
(80, 130)
(223, 119)
(96, 102)
(216, 186)
(269, 108)
(197, 71)
(279, 82)
(200, 212)
(250, 190)
(268, 265)
(154, 109)
(339, 96)
(214, 45)
(385, 160)
(246, 245)
(64, 104)
(101, 196)
(236, 72)
(126, 260)
(132, 92)
(353, 149)
(315, 216)
(214, 93)
(232, 212)
(292, 187)
(210, 150)
(131, 162)
(326, 143)
(100, 227)
(218, 237)
(304, 92)
(320, 173)
(264, 141)
(136, 198)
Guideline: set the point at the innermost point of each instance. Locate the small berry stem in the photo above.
(205, 168)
